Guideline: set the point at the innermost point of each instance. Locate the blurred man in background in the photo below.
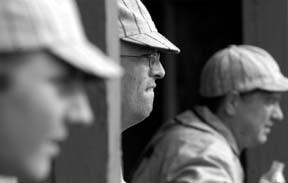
(45, 60)
(241, 87)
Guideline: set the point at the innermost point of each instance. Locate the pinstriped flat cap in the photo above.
(54, 25)
(136, 26)
(241, 68)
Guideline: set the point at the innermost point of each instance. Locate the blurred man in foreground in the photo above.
(45, 59)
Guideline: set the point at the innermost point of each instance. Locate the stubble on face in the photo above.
(137, 99)
(138, 82)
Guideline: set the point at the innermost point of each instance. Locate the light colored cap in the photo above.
(54, 25)
(136, 26)
(241, 68)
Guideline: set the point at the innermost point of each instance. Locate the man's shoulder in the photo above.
(188, 125)
(187, 131)
(184, 142)
(195, 141)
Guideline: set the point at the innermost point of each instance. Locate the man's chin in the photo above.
(136, 114)
(141, 117)
(36, 170)
(262, 140)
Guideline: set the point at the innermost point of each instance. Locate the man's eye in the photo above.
(65, 85)
(272, 100)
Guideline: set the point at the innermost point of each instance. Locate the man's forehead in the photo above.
(134, 49)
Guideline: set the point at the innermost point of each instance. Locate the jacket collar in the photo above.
(203, 114)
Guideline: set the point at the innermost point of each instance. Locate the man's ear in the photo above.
(231, 103)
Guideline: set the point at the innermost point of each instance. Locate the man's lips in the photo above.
(151, 87)
(54, 144)
(52, 148)
(268, 127)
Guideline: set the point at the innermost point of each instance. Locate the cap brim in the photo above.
(152, 39)
(88, 58)
(281, 85)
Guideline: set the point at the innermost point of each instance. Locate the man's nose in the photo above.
(80, 111)
(158, 71)
(277, 113)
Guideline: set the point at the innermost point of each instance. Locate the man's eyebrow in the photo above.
(146, 50)
(274, 95)
(151, 52)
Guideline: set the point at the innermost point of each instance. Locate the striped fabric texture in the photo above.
(54, 25)
(136, 26)
(241, 68)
